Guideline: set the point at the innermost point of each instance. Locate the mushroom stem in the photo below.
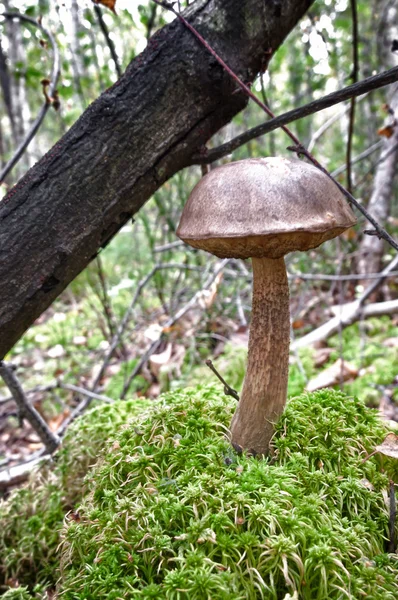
(263, 396)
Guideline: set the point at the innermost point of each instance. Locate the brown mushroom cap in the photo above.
(263, 207)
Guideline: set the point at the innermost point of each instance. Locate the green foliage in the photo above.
(32, 516)
(19, 593)
(173, 513)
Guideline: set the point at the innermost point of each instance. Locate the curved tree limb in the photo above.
(55, 71)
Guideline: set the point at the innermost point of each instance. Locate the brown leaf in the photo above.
(389, 446)
(57, 421)
(107, 3)
(298, 324)
(386, 131)
(387, 108)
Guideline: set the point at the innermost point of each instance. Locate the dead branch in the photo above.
(356, 89)
(26, 410)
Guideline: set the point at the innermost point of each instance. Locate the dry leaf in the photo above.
(298, 324)
(389, 447)
(107, 3)
(207, 297)
(391, 342)
(386, 131)
(332, 376)
(157, 361)
(57, 421)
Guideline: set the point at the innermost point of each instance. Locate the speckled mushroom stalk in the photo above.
(263, 396)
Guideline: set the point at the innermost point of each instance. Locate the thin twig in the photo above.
(49, 439)
(169, 246)
(151, 21)
(104, 297)
(62, 386)
(83, 392)
(228, 391)
(360, 157)
(108, 39)
(55, 71)
(327, 124)
(354, 75)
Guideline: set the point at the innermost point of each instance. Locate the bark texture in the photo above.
(169, 102)
(264, 390)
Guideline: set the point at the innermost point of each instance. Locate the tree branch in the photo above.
(49, 439)
(354, 75)
(356, 89)
(108, 39)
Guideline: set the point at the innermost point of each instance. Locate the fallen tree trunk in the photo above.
(172, 98)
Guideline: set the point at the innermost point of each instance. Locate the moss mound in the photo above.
(31, 518)
(173, 513)
(20, 593)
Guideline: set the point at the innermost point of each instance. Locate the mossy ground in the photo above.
(33, 515)
(173, 513)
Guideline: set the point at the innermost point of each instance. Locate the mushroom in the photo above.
(263, 208)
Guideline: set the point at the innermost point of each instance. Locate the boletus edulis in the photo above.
(263, 208)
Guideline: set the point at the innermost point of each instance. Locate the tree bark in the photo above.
(169, 102)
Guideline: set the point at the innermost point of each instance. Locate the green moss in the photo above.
(173, 513)
(32, 516)
(19, 593)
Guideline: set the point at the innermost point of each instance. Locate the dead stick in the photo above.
(228, 391)
(49, 439)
